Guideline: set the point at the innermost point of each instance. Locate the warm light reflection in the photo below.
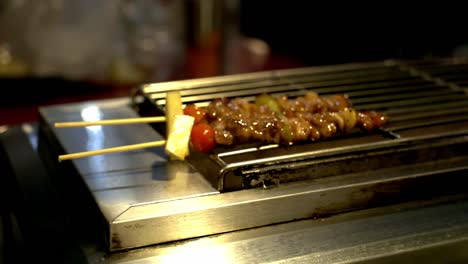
(91, 113)
(214, 254)
(95, 136)
(29, 131)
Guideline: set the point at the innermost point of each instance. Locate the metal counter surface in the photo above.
(121, 180)
(410, 233)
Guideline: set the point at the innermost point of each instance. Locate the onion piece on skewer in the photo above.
(178, 126)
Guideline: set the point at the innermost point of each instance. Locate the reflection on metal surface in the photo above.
(31, 132)
(81, 139)
(94, 134)
(92, 113)
(216, 254)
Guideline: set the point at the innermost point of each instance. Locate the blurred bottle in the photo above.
(215, 40)
(154, 34)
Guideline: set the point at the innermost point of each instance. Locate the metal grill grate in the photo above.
(426, 102)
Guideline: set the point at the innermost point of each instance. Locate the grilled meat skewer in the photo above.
(283, 121)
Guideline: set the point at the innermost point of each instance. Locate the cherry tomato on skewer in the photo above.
(202, 137)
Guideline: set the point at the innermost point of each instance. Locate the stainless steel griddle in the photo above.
(145, 199)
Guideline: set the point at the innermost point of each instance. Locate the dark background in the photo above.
(340, 33)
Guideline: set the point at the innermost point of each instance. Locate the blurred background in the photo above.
(60, 51)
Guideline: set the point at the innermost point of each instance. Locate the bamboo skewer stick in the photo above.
(112, 150)
(122, 121)
(178, 137)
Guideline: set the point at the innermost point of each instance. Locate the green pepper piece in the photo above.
(286, 131)
(269, 101)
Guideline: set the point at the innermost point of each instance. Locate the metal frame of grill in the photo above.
(426, 102)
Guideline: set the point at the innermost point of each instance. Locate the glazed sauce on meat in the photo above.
(284, 121)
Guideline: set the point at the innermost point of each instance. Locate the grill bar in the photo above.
(235, 92)
(453, 72)
(228, 88)
(249, 77)
(361, 74)
(392, 90)
(373, 86)
(418, 101)
(425, 114)
(444, 69)
(396, 97)
(429, 122)
(461, 104)
(279, 86)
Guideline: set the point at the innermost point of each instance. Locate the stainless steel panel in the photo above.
(119, 181)
(421, 233)
(115, 192)
(98, 137)
(200, 216)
